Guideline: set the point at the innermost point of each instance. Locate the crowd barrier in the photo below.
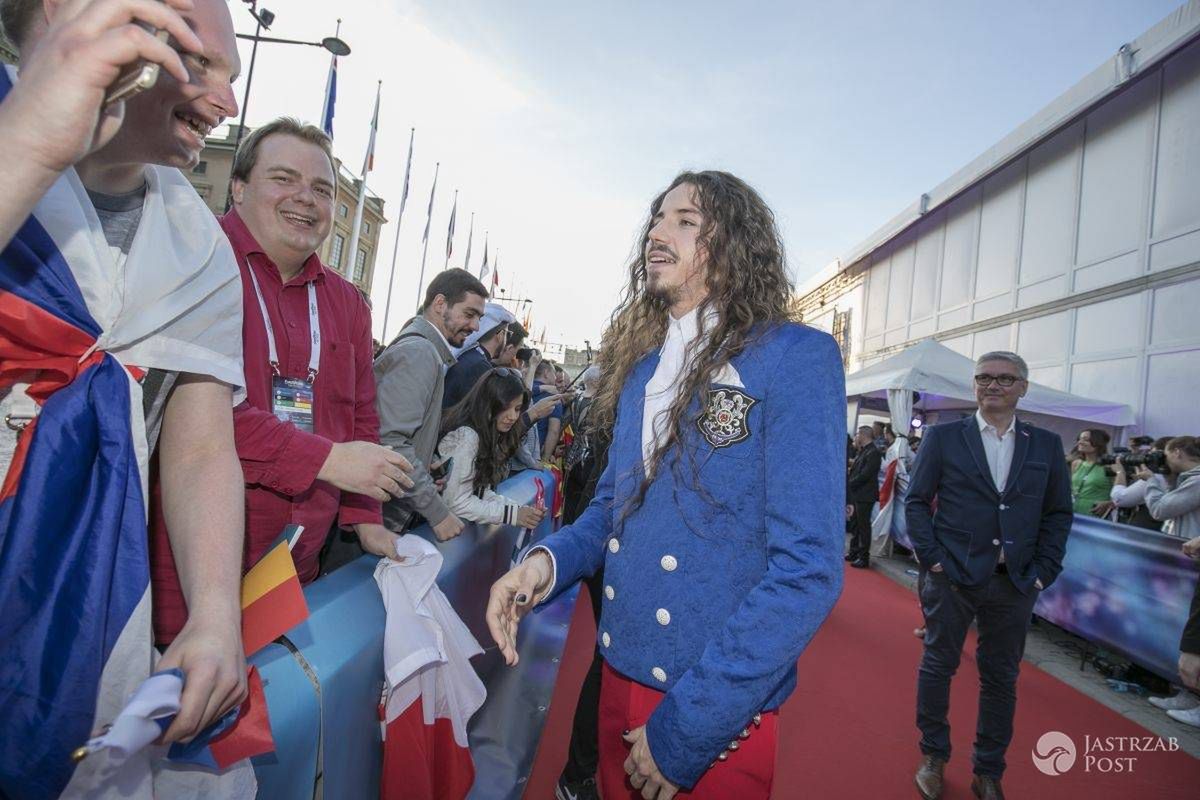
(324, 678)
(1123, 588)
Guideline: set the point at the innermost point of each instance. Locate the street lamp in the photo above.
(263, 18)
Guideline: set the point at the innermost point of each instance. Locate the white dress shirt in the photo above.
(998, 447)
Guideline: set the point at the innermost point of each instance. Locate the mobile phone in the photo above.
(137, 77)
(442, 470)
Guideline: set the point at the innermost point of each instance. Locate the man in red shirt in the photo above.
(308, 433)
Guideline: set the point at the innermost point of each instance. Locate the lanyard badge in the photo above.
(292, 399)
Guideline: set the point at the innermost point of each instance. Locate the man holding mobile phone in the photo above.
(123, 308)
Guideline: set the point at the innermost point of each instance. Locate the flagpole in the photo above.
(425, 238)
(450, 231)
(330, 90)
(470, 238)
(484, 269)
(356, 229)
(387, 307)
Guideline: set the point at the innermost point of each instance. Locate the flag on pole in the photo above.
(330, 98)
(272, 601)
(450, 230)
(407, 172)
(429, 213)
(496, 271)
(368, 165)
(370, 161)
(330, 92)
(484, 269)
(470, 237)
(425, 236)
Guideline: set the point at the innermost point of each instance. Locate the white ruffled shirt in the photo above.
(673, 366)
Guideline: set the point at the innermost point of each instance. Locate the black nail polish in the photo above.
(522, 599)
(625, 732)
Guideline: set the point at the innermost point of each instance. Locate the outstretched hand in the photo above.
(512, 598)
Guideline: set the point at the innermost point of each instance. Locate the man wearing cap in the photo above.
(477, 353)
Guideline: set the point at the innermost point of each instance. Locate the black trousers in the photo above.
(860, 539)
(1003, 615)
(583, 754)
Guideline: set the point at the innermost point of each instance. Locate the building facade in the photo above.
(1075, 241)
(211, 179)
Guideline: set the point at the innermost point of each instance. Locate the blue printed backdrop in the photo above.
(1126, 589)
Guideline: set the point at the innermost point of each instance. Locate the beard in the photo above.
(661, 294)
(454, 336)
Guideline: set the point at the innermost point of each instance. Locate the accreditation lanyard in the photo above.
(292, 399)
(314, 328)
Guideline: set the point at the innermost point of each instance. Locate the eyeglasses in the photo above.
(983, 380)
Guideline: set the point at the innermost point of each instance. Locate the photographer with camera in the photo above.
(1181, 506)
(1180, 503)
(1130, 498)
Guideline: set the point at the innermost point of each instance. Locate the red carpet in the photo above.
(849, 731)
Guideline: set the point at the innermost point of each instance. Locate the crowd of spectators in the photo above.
(316, 424)
(287, 412)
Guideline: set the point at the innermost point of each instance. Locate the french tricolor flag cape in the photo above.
(82, 328)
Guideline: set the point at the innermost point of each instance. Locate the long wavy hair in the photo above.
(747, 288)
(478, 411)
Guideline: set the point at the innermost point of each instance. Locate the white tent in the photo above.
(945, 381)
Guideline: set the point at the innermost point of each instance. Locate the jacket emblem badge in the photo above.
(724, 422)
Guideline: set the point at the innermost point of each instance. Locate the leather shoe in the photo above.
(850, 557)
(986, 788)
(860, 563)
(929, 777)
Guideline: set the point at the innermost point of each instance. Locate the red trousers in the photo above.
(625, 705)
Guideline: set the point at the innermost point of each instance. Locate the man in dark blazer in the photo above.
(862, 490)
(997, 538)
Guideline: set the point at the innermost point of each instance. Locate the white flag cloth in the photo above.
(182, 313)
(426, 647)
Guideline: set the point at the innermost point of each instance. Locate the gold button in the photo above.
(669, 563)
(659, 674)
(604, 637)
(609, 593)
(663, 616)
(613, 545)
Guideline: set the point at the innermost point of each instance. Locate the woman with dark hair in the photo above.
(479, 435)
(1091, 482)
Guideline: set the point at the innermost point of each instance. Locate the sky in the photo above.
(558, 122)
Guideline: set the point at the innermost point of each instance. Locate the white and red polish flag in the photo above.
(430, 689)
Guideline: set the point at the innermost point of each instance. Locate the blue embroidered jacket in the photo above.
(715, 585)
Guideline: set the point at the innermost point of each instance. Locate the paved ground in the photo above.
(1059, 653)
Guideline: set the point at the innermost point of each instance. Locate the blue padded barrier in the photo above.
(332, 736)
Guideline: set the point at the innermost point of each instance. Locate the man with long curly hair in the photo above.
(718, 519)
